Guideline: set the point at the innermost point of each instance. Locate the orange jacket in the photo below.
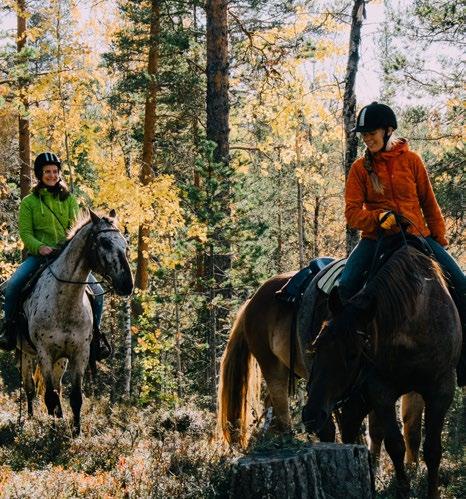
(407, 190)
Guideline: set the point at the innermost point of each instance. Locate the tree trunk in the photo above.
(300, 203)
(349, 101)
(147, 167)
(217, 78)
(316, 227)
(179, 371)
(23, 120)
(128, 348)
(315, 471)
(63, 96)
(217, 266)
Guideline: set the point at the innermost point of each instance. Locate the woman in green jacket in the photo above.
(45, 216)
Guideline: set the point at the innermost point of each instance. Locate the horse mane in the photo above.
(83, 219)
(397, 285)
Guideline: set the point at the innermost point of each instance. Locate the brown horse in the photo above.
(261, 334)
(400, 334)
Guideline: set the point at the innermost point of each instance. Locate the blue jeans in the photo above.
(16, 283)
(360, 260)
(98, 299)
(24, 272)
(453, 273)
(356, 268)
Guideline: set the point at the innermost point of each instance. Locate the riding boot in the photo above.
(103, 350)
(7, 335)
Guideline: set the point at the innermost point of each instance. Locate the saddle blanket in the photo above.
(328, 280)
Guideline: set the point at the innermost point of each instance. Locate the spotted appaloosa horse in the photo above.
(59, 313)
(400, 334)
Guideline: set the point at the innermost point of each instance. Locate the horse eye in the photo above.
(106, 245)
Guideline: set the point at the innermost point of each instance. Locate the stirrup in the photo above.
(7, 337)
(284, 296)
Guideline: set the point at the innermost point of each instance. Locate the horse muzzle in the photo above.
(123, 286)
(314, 418)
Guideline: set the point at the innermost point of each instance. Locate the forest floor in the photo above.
(131, 452)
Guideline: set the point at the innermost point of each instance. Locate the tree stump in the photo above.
(320, 471)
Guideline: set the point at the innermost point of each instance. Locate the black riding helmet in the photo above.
(375, 116)
(45, 158)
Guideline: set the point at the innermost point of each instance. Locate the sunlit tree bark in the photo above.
(147, 169)
(218, 257)
(23, 120)
(349, 101)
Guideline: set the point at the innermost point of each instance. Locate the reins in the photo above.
(362, 373)
(92, 234)
(401, 222)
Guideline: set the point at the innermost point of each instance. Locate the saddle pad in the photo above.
(327, 281)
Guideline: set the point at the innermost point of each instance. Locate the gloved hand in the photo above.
(390, 220)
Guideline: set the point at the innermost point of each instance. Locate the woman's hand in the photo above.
(388, 218)
(45, 250)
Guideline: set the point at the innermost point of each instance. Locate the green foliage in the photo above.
(153, 347)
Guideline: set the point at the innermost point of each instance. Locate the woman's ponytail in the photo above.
(368, 165)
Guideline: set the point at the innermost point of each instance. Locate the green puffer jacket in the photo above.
(37, 225)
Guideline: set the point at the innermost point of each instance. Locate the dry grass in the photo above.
(124, 452)
(130, 452)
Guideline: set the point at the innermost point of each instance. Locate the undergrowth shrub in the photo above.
(35, 444)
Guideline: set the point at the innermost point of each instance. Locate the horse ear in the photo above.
(112, 213)
(335, 304)
(94, 218)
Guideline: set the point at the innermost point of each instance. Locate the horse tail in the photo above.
(39, 382)
(239, 386)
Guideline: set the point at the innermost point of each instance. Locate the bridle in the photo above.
(364, 363)
(91, 256)
(363, 371)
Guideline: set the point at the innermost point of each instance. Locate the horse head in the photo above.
(337, 355)
(107, 253)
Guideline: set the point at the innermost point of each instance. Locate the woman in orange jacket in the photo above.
(391, 178)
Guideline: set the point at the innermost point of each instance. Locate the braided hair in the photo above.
(368, 165)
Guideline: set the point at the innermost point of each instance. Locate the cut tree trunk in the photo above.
(320, 471)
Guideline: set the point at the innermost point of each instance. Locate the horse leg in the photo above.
(267, 414)
(328, 431)
(59, 368)
(51, 397)
(394, 445)
(376, 434)
(351, 418)
(276, 376)
(436, 408)
(412, 405)
(77, 368)
(27, 369)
